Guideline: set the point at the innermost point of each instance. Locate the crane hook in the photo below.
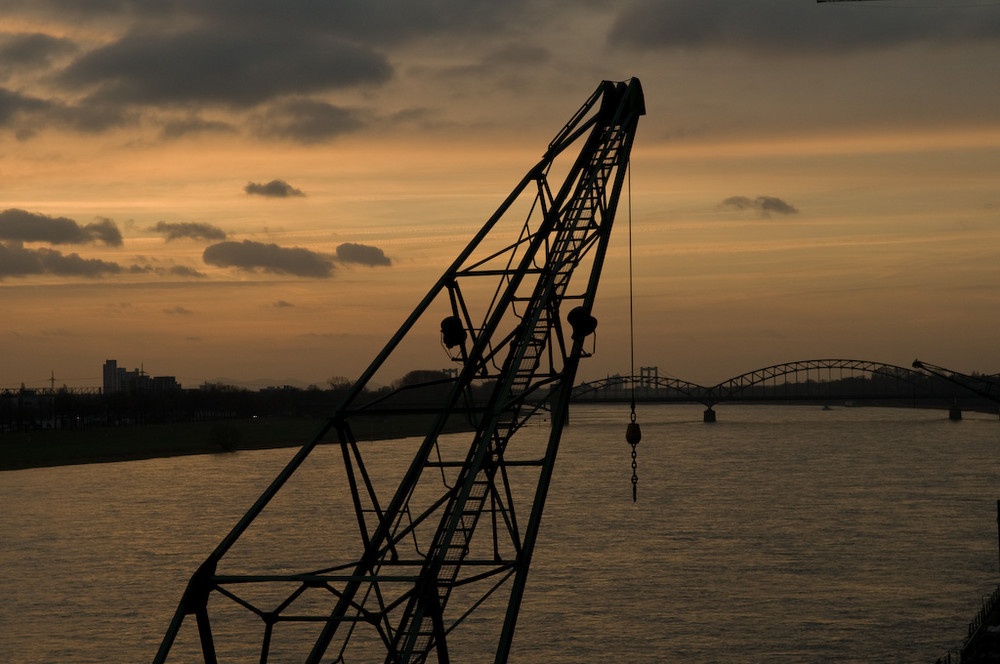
(633, 434)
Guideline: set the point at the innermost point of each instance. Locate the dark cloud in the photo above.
(178, 311)
(182, 271)
(520, 54)
(765, 205)
(31, 49)
(282, 304)
(222, 66)
(106, 231)
(378, 22)
(307, 121)
(88, 117)
(273, 189)
(23, 226)
(797, 26)
(350, 252)
(28, 115)
(172, 271)
(72, 264)
(252, 256)
(195, 125)
(501, 61)
(276, 63)
(195, 231)
(16, 261)
(14, 105)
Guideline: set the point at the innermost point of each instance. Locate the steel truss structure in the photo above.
(762, 382)
(986, 386)
(819, 370)
(445, 552)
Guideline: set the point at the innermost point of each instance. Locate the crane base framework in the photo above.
(419, 550)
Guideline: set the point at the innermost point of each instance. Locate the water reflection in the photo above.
(777, 534)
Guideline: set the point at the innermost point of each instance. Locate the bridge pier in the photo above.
(709, 415)
(955, 413)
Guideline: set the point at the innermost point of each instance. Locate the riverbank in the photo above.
(46, 448)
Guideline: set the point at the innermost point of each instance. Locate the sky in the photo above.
(264, 190)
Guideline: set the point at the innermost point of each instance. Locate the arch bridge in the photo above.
(818, 381)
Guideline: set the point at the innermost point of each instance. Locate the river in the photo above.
(777, 534)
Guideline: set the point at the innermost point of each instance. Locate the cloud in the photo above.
(504, 59)
(106, 231)
(28, 115)
(194, 125)
(251, 256)
(16, 261)
(350, 252)
(381, 23)
(220, 65)
(14, 105)
(183, 271)
(282, 304)
(22, 226)
(765, 205)
(192, 230)
(172, 271)
(88, 117)
(32, 49)
(307, 121)
(178, 311)
(270, 67)
(794, 26)
(273, 189)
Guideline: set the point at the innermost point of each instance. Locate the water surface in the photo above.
(777, 534)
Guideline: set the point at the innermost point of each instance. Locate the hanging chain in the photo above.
(635, 478)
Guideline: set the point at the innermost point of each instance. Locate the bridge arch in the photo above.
(617, 388)
(841, 378)
(823, 380)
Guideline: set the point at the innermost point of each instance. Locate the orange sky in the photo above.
(873, 132)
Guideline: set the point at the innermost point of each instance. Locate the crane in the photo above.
(457, 531)
(987, 387)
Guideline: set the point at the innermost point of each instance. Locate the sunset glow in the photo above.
(811, 180)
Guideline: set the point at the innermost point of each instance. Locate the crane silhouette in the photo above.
(458, 529)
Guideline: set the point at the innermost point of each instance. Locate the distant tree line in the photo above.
(65, 409)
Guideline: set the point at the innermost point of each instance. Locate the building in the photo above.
(119, 380)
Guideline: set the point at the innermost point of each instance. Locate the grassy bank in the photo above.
(36, 449)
